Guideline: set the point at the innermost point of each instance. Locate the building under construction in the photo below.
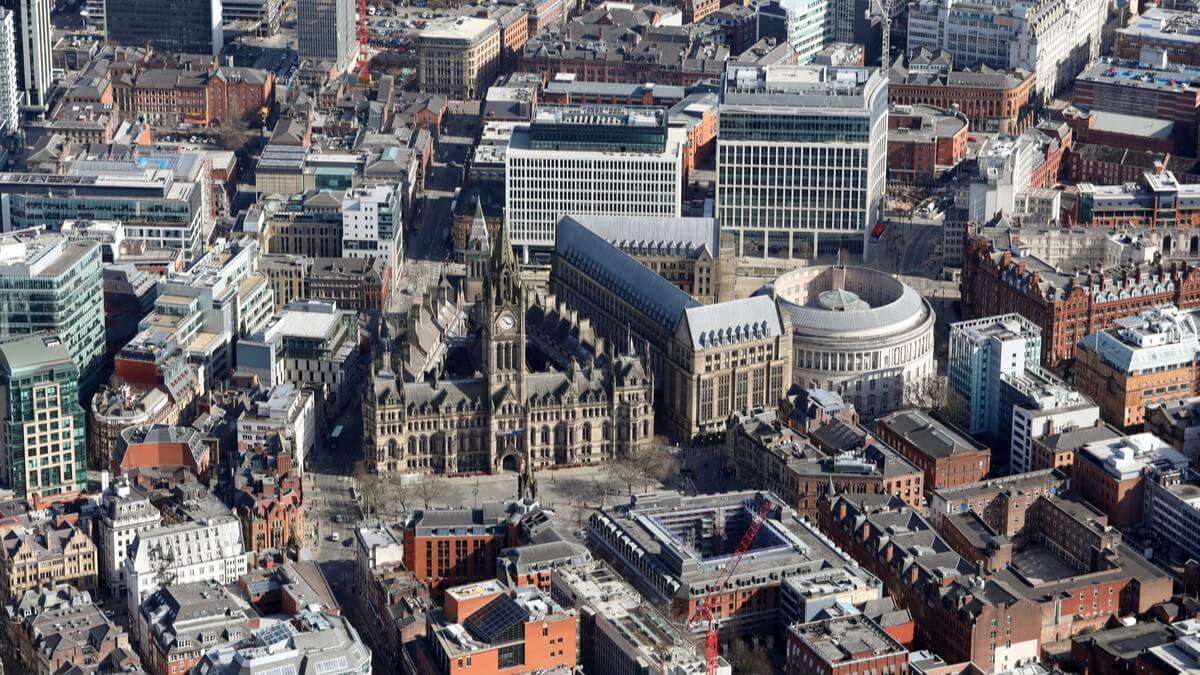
(673, 548)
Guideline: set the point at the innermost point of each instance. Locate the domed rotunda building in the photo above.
(857, 332)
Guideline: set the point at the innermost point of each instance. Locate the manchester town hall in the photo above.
(509, 379)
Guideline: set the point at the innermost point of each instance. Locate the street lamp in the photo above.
(475, 492)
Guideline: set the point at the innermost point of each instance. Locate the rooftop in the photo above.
(21, 356)
(1127, 457)
(462, 28)
(928, 434)
(846, 639)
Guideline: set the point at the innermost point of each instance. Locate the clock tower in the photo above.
(503, 318)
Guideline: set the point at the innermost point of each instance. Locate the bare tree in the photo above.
(372, 490)
(624, 470)
(429, 489)
(748, 658)
(927, 393)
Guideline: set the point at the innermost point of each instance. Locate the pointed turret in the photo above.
(478, 239)
(504, 274)
(502, 253)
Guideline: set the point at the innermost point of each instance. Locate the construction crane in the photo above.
(364, 36)
(704, 611)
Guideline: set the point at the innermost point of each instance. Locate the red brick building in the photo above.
(924, 142)
(514, 632)
(1067, 308)
(958, 614)
(947, 456)
(447, 547)
(991, 100)
(1112, 474)
(848, 645)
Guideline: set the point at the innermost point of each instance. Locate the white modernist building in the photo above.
(1054, 39)
(288, 410)
(371, 224)
(206, 549)
(10, 101)
(32, 29)
(590, 160)
(1040, 404)
(802, 159)
(125, 513)
(857, 332)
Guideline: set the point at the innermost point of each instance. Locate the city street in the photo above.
(426, 250)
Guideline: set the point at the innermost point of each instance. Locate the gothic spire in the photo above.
(502, 253)
(478, 238)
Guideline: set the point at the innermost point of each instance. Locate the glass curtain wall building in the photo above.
(802, 159)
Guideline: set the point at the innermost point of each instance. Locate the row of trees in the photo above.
(390, 497)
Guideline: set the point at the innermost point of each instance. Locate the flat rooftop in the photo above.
(846, 639)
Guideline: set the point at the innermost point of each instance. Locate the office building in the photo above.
(1174, 32)
(1113, 474)
(124, 513)
(32, 31)
(286, 411)
(203, 545)
(471, 540)
(921, 570)
(764, 452)
(814, 184)
(947, 456)
(180, 27)
(708, 361)
(39, 390)
(117, 408)
(324, 642)
(1067, 305)
(371, 225)
(309, 344)
(858, 333)
(668, 546)
(165, 208)
(51, 284)
(10, 97)
(1033, 405)
(34, 558)
(1001, 503)
(177, 624)
(590, 160)
(619, 632)
(1055, 40)
(1177, 423)
(1085, 574)
(1148, 359)
(458, 58)
(326, 32)
(980, 352)
(1172, 507)
(1163, 93)
(847, 645)
(809, 26)
(199, 314)
(993, 101)
(486, 628)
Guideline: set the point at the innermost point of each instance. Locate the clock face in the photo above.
(506, 322)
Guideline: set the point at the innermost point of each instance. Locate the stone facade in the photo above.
(573, 414)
